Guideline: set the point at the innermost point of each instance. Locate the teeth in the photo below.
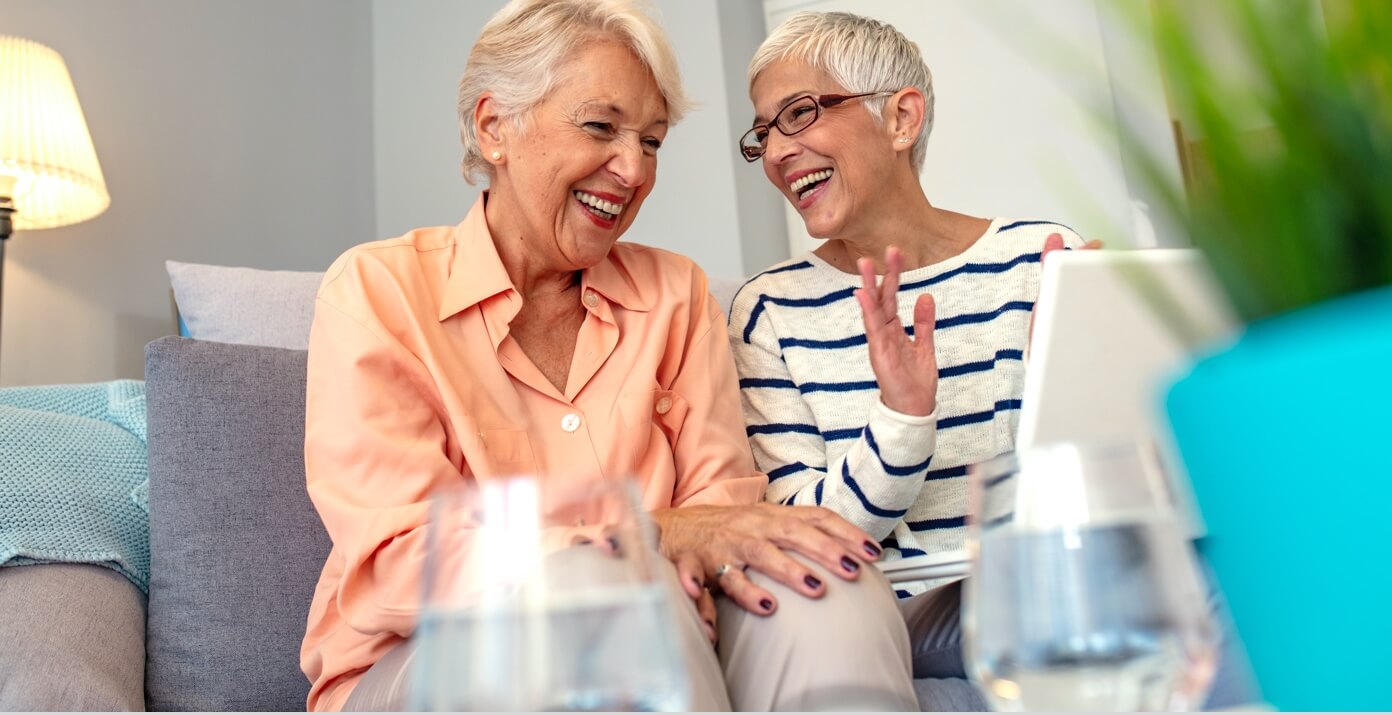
(595, 202)
(810, 179)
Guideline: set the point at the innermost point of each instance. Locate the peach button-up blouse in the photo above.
(414, 384)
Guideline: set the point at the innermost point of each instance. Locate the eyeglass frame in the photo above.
(819, 102)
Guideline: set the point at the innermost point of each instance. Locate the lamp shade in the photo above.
(45, 150)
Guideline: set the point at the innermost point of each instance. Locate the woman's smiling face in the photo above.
(828, 170)
(583, 160)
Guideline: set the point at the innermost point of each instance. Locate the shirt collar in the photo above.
(612, 279)
(477, 272)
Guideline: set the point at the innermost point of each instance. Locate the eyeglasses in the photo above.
(795, 116)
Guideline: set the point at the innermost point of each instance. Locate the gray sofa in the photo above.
(235, 549)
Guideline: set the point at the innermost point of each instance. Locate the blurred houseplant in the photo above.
(1285, 433)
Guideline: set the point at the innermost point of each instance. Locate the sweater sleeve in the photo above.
(872, 485)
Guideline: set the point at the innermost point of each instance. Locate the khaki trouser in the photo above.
(848, 650)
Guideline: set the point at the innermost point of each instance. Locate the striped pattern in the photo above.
(812, 405)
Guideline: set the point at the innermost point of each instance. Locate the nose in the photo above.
(629, 165)
(779, 148)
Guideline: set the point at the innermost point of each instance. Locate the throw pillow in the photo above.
(245, 305)
(235, 545)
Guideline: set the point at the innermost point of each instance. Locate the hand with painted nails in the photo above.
(713, 546)
(906, 369)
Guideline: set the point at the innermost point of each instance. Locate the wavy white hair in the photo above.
(860, 53)
(519, 55)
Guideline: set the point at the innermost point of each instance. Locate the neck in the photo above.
(524, 251)
(901, 217)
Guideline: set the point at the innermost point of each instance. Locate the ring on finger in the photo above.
(726, 568)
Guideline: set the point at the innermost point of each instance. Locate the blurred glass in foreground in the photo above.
(542, 596)
(1083, 592)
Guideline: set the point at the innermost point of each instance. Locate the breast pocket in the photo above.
(497, 452)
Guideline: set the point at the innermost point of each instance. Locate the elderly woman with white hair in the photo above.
(526, 339)
(847, 408)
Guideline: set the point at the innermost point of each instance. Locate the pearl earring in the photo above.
(902, 140)
(497, 155)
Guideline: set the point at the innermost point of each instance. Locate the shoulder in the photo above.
(789, 278)
(371, 268)
(1033, 233)
(657, 274)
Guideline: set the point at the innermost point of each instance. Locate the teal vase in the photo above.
(1287, 438)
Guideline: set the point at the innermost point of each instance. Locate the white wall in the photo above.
(420, 49)
(229, 132)
(1029, 97)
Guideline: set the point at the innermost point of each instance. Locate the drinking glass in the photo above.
(1084, 593)
(544, 596)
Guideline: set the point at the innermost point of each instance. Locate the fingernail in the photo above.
(766, 604)
(872, 548)
(812, 581)
(697, 581)
(849, 564)
(613, 543)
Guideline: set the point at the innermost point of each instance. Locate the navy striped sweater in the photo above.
(811, 404)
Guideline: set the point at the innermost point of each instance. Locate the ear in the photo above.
(904, 114)
(488, 127)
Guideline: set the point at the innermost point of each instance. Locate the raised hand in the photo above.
(905, 368)
(712, 546)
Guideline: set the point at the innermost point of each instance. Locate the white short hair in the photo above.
(861, 54)
(521, 50)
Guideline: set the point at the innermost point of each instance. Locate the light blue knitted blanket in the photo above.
(73, 480)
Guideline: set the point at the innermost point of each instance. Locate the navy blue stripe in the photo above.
(844, 293)
(788, 500)
(838, 386)
(901, 593)
(890, 469)
(780, 428)
(794, 267)
(787, 469)
(973, 269)
(817, 494)
(835, 434)
(977, 417)
(907, 551)
(859, 386)
(949, 473)
(952, 322)
(933, 524)
(973, 318)
(865, 501)
(1020, 224)
(838, 343)
(971, 367)
(765, 382)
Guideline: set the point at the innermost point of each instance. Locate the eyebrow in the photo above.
(783, 103)
(614, 109)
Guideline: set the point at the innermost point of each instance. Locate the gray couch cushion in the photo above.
(72, 637)
(235, 545)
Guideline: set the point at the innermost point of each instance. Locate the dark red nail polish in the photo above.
(812, 581)
(872, 548)
(697, 581)
(766, 604)
(849, 564)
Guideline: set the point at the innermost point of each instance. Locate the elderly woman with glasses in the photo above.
(528, 340)
(871, 397)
